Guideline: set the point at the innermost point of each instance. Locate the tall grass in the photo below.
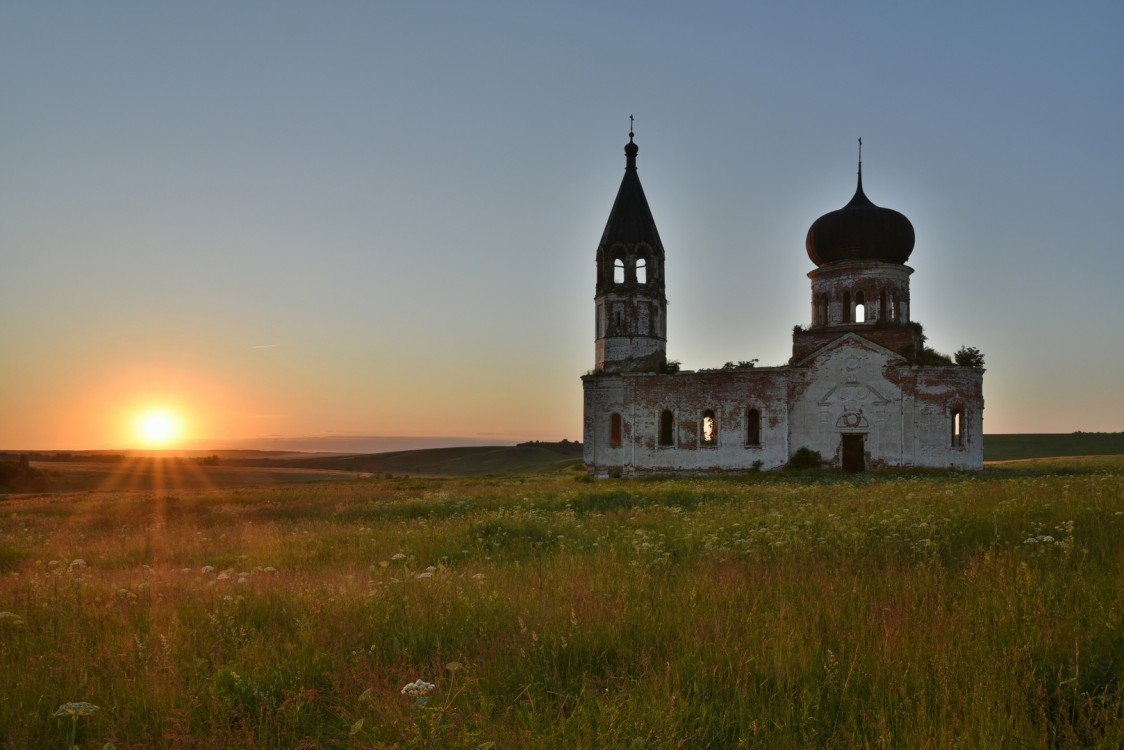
(930, 611)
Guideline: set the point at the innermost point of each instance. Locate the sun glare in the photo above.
(157, 428)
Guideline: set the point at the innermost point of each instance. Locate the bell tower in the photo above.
(630, 305)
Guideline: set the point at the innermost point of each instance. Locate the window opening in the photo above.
(860, 307)
(667, 428)
(618, 271)
(846, 307)
(957, 427)
(882, 305)
(822, 313)
(615, 430)
(709, 428)
(753, 427)
(641, 271)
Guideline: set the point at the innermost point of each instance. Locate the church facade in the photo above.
(860, 389)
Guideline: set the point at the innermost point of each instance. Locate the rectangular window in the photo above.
(667, 429)
(615, 430)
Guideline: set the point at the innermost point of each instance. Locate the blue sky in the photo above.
(291, 219)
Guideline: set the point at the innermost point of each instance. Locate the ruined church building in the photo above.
(860, 389)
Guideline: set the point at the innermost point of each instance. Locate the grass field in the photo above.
(933, 610)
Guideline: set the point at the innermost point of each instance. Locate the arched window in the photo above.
(882, 305)
(641, 271)
(753, 427)
(618, 271)
(821, 314)
(667, 428)
(957, 415)
(615, 430)
(860, 307)
(709, 429)
(846, 307)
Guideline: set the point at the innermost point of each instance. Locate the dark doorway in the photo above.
(853, 458)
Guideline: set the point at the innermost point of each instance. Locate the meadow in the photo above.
(934, 610)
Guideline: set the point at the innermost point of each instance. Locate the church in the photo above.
(860, 390)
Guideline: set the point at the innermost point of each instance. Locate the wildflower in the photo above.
(426, 574)
(81, 708)
(398, 556)
(1030, 540)
(208, 569)
(223, 576)
(79, 563)
(270, 569)
(418, 689)
(11, 616)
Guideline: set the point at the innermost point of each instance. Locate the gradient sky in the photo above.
(353, 218)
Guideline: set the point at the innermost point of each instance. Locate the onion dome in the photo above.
(860, 231)
(630, 222)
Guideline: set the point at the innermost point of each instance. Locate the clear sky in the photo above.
(378, 218)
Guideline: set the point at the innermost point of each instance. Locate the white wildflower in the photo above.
(398, 556)
(418, 688)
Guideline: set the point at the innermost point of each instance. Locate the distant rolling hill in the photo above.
(1014, 447)
(525, 458)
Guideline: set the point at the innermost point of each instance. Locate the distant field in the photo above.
(250, 468)
(1014, 447)
(776, 610)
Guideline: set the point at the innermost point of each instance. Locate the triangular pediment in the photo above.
(853, 391)
(849, 340)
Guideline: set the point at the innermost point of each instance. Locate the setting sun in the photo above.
(157, 428)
